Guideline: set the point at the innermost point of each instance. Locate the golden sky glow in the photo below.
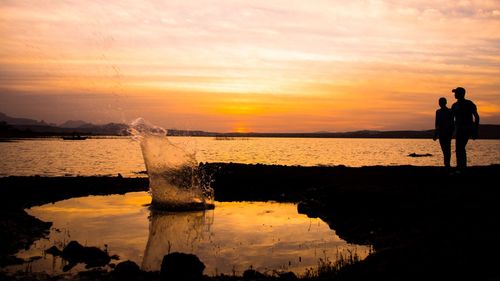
(264, 66)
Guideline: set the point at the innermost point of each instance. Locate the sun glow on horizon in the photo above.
(240, 128)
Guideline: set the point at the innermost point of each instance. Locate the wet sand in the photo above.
(423, 222)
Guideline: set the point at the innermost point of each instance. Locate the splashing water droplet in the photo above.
(174, 179)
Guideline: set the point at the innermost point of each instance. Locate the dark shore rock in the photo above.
(287, 276)
(54, 251)
(75, 253)
(253, 275)
(419, 154)
(181, 267)
(127, 270)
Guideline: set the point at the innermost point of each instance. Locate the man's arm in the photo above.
(476, 116)
(476, 122)
(436, 126)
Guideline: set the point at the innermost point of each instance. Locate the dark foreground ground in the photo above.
(423, 222)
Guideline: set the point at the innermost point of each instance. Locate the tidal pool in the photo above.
(233, 237)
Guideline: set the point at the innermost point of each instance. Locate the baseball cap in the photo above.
(458, 90)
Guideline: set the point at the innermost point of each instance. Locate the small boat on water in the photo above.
(78, 137)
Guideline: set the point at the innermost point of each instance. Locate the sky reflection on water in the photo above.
(55, 157)
(233, 236)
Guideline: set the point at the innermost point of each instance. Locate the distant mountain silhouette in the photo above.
(20, 121)
(23, 127)
(74, 124)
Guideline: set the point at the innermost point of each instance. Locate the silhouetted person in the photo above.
(466, 125)
(444, 130)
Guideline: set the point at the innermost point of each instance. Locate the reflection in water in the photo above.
(239, 235)
(232, 237)
(174, 232)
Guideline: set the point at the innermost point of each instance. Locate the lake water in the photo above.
(110, 156)
(231, 238)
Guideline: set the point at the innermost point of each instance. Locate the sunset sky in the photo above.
(260, 65)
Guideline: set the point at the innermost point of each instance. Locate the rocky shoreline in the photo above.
(423, 222)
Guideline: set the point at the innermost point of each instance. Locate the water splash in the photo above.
(174, 177)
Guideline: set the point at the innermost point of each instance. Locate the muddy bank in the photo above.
(25, 192)
(423, 222)
(233, 182)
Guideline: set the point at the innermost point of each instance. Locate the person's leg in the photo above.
(460, 143)
(446, 148)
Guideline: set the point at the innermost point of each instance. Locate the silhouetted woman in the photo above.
(444, 130)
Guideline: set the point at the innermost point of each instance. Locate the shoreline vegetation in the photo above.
(422, 222)
(12, 132)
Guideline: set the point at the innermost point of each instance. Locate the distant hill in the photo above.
(74, 124)
(20, 121)
(23, 127)
(485, 132)
(31, 131)
(489, 131)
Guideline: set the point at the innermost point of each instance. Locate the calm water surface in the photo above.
(110, 156)
(232, 237)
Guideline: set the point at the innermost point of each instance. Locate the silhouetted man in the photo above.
(444, 130)
(466, 124)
